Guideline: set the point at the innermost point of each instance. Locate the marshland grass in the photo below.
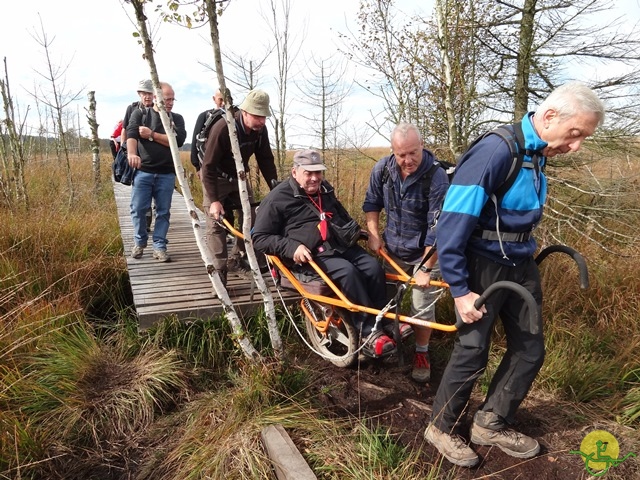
(83, 394)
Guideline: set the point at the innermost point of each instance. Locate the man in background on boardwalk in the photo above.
(410, 186)
(218, 101)
(155, 177)
(145, 93)
(475, 254)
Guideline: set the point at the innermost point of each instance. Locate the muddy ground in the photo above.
(386, 394)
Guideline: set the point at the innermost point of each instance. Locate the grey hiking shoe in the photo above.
(161, 255)
(136, 251)
(509, 441)
(452, 447)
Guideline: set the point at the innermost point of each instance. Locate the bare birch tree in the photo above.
(208, 9)
(239, 333)
(269, 306)
(57, 99)
(286, 52)
(95, 141)
(324, 89)
(12, 181)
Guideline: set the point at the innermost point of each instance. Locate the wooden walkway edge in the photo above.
(182, 286)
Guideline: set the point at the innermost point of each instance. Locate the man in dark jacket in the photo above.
(293, 223)
(219, 176)
(149, 153)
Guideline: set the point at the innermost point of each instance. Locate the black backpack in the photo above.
(122, 171)
(514, 137)
(213, 116)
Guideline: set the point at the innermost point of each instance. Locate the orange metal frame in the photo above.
(343, 302)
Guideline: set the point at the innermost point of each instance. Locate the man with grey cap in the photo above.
(145, 92)
(294, 223)
(219, 176)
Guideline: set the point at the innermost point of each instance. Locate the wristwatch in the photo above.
(424, 269)
(151, 137)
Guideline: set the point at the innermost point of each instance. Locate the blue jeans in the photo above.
(147, 186)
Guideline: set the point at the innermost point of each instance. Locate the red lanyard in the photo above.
(322, 226)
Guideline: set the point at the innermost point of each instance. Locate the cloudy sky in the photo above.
(92, 43)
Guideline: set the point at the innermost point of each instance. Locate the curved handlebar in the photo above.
(579, 259)
(532, 306)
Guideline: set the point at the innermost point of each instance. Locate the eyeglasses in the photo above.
(171, 100)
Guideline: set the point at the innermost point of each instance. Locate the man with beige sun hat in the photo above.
(219, 176)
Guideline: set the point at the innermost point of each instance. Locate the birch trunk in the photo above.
(239, 334)
(95, 142)
(269, 307)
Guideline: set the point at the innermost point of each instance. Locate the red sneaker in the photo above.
(379, 345)
(384, 345)
(421, 372)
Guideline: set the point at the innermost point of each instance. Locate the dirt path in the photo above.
(386, 394)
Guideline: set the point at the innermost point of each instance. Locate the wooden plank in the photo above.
(181, 287)
(288, 462)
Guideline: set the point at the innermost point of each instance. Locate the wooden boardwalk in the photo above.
(180, 287)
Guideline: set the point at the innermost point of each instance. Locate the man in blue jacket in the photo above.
(482, 238)
(410, 186)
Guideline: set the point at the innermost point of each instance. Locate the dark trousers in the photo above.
(215, 235)
(522, 360)
(360, 277)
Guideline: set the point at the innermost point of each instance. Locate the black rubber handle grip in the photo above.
(532, 306)
(579, 259)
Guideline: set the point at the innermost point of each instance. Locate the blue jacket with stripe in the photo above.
(468, 207)
(410, 216)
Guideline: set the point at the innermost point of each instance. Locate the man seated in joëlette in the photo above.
(294, 224)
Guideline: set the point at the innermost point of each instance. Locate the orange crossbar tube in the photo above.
(402, 276)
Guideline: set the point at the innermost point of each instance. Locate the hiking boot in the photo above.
(379, 345)
(509, 441)
(451, 447)
(161, 255)
(237, 265)
(421, 372)
(136, 251)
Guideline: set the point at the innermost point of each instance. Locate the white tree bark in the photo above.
(269, 307)
(239, 334)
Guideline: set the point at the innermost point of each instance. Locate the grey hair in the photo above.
(403, 128)
(570, 99)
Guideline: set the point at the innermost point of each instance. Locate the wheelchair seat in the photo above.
(309, 279)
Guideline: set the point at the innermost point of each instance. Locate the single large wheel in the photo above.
(330, 332)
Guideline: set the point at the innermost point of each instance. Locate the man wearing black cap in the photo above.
(218, 171)
(294, 223)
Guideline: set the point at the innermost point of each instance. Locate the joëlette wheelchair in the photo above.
(327, 312)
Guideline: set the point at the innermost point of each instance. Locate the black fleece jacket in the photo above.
(287, 218)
